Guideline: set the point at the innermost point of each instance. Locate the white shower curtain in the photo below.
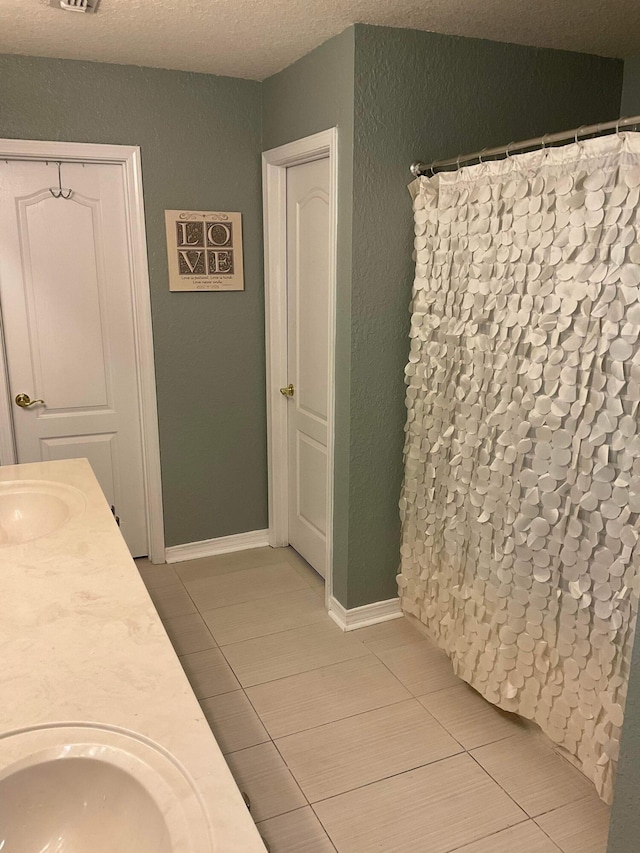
(521, 496)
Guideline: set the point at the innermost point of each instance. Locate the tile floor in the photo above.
(364, 741)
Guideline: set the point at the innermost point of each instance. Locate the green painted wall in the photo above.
(311, 95)
(624, 830)
(416, 95)
(421, 96)
(631, 88)
(201, 141)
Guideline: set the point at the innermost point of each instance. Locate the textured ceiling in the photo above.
(255, 38)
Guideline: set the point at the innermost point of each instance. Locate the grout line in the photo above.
(300, 808)
(261, 598)
(491, 835)
(257, 636)
(292, 674)
(220, 573)
(213, 695)
(444, 726)
(391, 776)
(547, 834)
(525, 818)
(540, 814)
(282, 759)
(385, 778)
(339, 719)
(386, 666)
(325, 828)
(564, 805)
(328, 722)
(480, 745)
(304, 671)
(502, 788)
(213, 639)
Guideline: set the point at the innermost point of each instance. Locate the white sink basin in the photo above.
(79, 804)
(30, 509)
(74, 789)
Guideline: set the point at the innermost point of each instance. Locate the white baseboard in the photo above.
(213, 547)
(368, 614)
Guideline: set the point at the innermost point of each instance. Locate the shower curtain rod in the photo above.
(70, 160)
(418, 169)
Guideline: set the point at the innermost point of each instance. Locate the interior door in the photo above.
(308, 253)
(66, 300)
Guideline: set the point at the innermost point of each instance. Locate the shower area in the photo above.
(521, 495)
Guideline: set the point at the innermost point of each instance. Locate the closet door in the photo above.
(308, 253)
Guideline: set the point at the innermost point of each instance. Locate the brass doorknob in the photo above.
(24, 401)
(289, 391)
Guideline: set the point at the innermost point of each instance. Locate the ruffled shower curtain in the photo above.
(521, 497)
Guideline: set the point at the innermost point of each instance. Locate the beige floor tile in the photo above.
(264, 616)
(524, 838)
(580, 827)
(233, 721)
(435, 808)
(245, 585)
(354, 752)
(238, 561)
(389, 635)
(155, 576)
(209, 673)
(323, 695)
(469, 718)
(188, 633)
(306, 572)
(421, 667)
(172, 600)
(303, 649)
(532, 773)
(261, 773)
(296, 832)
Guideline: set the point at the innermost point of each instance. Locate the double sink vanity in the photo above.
(103, 746)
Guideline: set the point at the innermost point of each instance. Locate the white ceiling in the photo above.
(256, 38)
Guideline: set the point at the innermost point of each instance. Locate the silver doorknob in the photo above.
(24, 401)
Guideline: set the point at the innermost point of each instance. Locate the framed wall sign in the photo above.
(204, 249)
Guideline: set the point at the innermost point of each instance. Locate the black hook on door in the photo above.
(59, 192)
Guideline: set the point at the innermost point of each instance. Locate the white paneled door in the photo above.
(67, 311)
(308, 321)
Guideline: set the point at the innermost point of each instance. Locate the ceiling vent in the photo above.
(75, 5)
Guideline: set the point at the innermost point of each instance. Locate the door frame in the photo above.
(128, 157)
(274, 184)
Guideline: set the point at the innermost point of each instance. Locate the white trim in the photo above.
(213, 547)
(274, 181)
(368, 614)
(7, 438)
(127, 156)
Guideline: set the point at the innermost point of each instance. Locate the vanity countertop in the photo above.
(80, 641)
